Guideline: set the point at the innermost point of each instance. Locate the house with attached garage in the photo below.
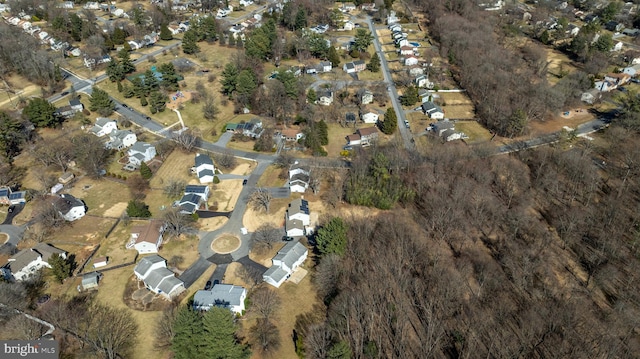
(70, 207)
(291, 134)
(155, 275)
(363, 137)
(299, 177)
(297, 218)
(432, 110)
(355, 66)
(141, 152)
(194, 197)
(121, 139)
(104, 126)
(227, 296)
(27, 262)
(205, 170)
(146, 238)
(285, 262)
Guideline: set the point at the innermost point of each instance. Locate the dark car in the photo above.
(287, 238)
(216, 282)
(64, 93)
(148, 118)
(208, 285)
(244, 182)
(125, 105)
(11, 208)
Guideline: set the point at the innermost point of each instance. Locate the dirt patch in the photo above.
(572, 120)
(253, 219)
(242, 169)
(3, 237)
(225, 194)
(178, 98)
(225, 244)
(211, 224)
(116, 210)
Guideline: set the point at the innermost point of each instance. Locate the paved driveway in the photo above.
(195, 271)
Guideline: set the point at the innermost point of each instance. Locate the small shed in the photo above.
(100, 262)
(90, 280)
(57, 188)
(66, 177)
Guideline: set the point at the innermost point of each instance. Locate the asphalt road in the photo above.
(405, 133)
(194, 272)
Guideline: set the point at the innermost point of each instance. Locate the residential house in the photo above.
(121, 139)
(348, 25)
(65, 5)
(392, 18)
(604, 86)
(66, 177)
(395, 27)
(614, 26)
(632, 70)
(401, 42)
(70, 207)
(355, 66)
(146, 238)
(367, 115)
(285, 262)
(348, 7)
(325, 98)
(90, 280)
(353, 140)
(174, 29)
(5, 7)
(410, 60)
(631, 32)
(617, 47)
(200, 190)
(618, 79)
(8, 197)
(590, 96)
(368, 7)
(320, 29)
(368, 135)
(366, 96)
(76, 105)
(326, 66)
(190, 203)
(135, 45)
(452, 135)
(155, 275)
(299, 177)
(141, 152)
(440, 127)
(28, 261)
(92, 5)
(432, 110)
(572, 30)
(297, 218)
(291, 134)
(104, 126)
(252, 128)
(221, 295)
(223, 12)
(205, 169)
(246, 2)
(422, 81)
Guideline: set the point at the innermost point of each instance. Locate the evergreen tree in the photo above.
(125, 62)
(301, 19)
(323, 132)
(257, 45)
(374, 63)
(332, 237)
(158, 101)
(219, 333)
(290, 83)
(165, 34)
(115, 71)
(41, 113)
(128, 91)
(390, 123)
(333, 56)
(604, 43)
(138, 87)
(339, 350)
(245, 83)
(312, 96)
(190, 42)
(151, 82)
(118, 36)
(75, 27)
(188, 334)
(545, 38)
(362, 40)
(101, 102)
(143, 101)
(60, 267)
(208, 29)
(410, 96)
(145, 171)
(120, 88)
(229, 78)
(232, 41)
(138, 209)
(169, 77)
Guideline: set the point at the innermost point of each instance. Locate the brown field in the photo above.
(253, 219)
(475, 131)
(575, 118)
(185, 246)
(457, 105)
(558, 62)
(226, 194)
(226, 243)
(100, 195)
(177, 166)
(20, 87)
(270, 177)
(231, 275)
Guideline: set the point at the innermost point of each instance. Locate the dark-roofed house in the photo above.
(297, 218)
(432, 110)
(288, 259)
(28, 261)
(355, 66)
(299, 178)
(146, 238)
(104, 126)
(200, 190)
(204, 168)
(221, 295)
(8, 197)
(70, 207)
(439, 127)
(325, 98)
(155, 275)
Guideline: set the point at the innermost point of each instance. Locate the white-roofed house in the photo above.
(104, 126)
(285, 262)
(227, 296)
(299, 177)
(297, 218)
(369, 116)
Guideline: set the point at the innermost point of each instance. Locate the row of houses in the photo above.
(40, 35)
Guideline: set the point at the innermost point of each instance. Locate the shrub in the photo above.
(216, 180)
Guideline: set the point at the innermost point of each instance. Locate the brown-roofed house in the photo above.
(146, 238)
(291, 134)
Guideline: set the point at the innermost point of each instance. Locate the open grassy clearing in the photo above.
(475, 131)
(559, 65)
(457, 105)
(270, 177)
(177, 166)
(185, 246)
(19, 87)
(99, 195)
(337, 134)
(243, 145)
(252, 219)
(225, 195)
(370, 76)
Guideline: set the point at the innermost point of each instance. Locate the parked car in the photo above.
(287, 238)
(208, 285)
(244, 182)
(11, 208)
(347, 148)
(406, 124)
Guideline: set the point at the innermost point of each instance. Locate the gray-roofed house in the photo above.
(104, 126)
(325, 97)
(121, 139)
(91, 280)
(299, 177)
(366, 96)
(141, 152)
(285, 262)
(28, 261)
(297, 218)
(190, 203)
(204, 168)
(439, 127)
(432, 110)
(227, 296)
(70, 207)
(155, 275)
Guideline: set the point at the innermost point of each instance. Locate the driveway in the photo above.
(212, 214)
(16, 209)
(279, 192)
(195, 271)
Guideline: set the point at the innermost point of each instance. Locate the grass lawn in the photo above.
(103, 197)
(337, 136)
(225, 195)
(558, 63)
(270, 177)
(21, 88)
(252, 219)
(457, 105)
(187, 247)
(475, 131)
(177, 166)
(241, 145)
(370, 76)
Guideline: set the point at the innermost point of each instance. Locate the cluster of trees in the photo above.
(203, 29)
(152, 86)
(117, 70)
(493, 256)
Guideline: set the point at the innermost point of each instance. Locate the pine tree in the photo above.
(219, 333)
(312, 96)
(374, 63)
(60, 267)
(390, 123)
(229, 78)
(301, 19)
(190, 42)
(410, 96)
(169, 77)
(101, 102)
(120, 88)
(245, 83)
(332, 237)
(158, 101)
(165, 34)
(333, 56)
(125, 61)
(138, 209)
(188, 334)
(362, 40)
(323, 132)
(151, 82)
(118, 36)
(143, 101)
(115, 71)
(145, 171)
(41, 113)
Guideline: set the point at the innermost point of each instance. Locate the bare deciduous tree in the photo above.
(260, 199)
(174, 187)
(265, 337)
(177, 223)
(250, 274)
(226, 160)
(265, 236)
(164, 326)
(265, 302)
(187, 140)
